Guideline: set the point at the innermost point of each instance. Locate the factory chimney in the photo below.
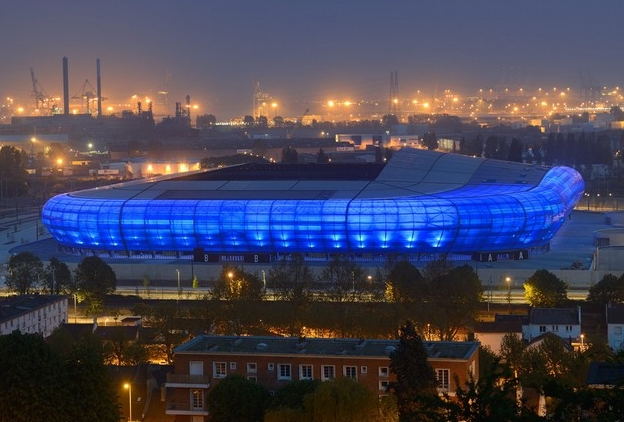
(65, 87)
(99, 88)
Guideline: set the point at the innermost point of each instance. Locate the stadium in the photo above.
(418, 203)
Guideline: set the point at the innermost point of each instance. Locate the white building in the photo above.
(564, 322)
(615, 326)
(32, 314)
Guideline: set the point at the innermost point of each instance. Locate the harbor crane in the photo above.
(297, 124)
(42, 101)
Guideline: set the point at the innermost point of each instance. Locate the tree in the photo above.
(291, 280)
(236, 399)
(13, 171)
(545, 290)
(342, 400)
(389, 120)
(290, 155)
(416, 385)
(430, 141)
(94, 279)
(405, 283)
(33, 382)
(610, 289)
(454, 300)
(490, 397)
(345, 278)
(249, 121)
(70, 384)
(24, 271)
(57, 277)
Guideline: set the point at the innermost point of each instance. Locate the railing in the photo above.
(187, 379)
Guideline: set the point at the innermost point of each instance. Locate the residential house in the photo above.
(564, 322)
(202, 362)
(615, 326)
(32, 314)
(491, 334)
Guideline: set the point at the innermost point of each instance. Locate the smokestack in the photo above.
(99, 87)
(65, 87)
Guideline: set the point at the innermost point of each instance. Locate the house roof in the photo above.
(16, 306)
(319, 346)
(499, 327)
(559, 316)
(605, 374)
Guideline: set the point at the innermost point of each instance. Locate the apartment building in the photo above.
(275, 361)
(33, 313)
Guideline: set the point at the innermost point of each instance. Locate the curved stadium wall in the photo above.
(420, 202)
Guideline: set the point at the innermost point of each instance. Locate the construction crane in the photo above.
(41, 98)
(296, 126)
(89, 94)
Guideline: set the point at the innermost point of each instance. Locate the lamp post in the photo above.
(179, 290)
(508, 280)
(128, 387)
(582, 342)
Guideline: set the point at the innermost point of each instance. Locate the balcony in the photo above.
(188, 381)
(179, 408)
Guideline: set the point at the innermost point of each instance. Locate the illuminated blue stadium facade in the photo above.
(419, 202)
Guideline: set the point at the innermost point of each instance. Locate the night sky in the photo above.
(215, 50)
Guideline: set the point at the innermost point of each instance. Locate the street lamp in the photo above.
(582, 342)
(179, 290)
(508, 280)
(128, 387)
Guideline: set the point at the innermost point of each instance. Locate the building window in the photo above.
(568, 328)
(305, 372)
(364, 369)
(617, 330)
(233, 366)
(442, 375)
(555, 328)
(252, 378)
(383, 371)
(350, 372)
(271, 367)
(219, 369)
(328, 372)
(542, 328)
(383, 385)
(283, 371)
(252, 367)
(197, 399)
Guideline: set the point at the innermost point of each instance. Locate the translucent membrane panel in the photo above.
(258, 224)
(183, 223)
(207, 224)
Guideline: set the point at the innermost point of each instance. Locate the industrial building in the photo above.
(419, 202)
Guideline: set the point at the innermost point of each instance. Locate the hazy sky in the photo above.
(215, 50)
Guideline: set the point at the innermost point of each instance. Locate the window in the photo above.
(542, 328)
(283, 371)
(350, 372)
(328, 372)
(197, 399)
(252, 367)
(364, 369)
(305, 372)
(555, 328)
(442, 376)
(383, 385)
(617, 330)
(568, 328)
(271, 367)
(252, 378)
(219, 369)
(233, 366)
(383, 371)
